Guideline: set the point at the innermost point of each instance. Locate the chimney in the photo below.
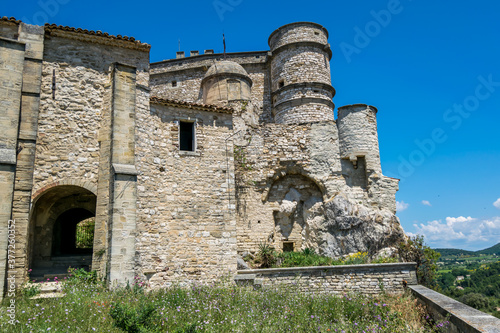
(209, 51)
(194, 53)
(179, 54)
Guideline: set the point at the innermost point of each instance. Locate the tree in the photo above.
(476, 300)
(414, 250)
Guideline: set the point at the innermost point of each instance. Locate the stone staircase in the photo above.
(58, 267)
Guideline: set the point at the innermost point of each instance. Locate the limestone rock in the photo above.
(343, 227)
(242, 264)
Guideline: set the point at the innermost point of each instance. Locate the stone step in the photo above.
(72, 258)
(50, 289)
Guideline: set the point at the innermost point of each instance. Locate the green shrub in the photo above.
(82, 275)
(385, 260)
(307, 257)
(266, 257)
(133, 318)
(31, 290)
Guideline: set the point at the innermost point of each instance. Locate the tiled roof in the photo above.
(137, 43)
(10, 19)
(191, 105)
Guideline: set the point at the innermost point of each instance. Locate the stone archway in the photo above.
(299, 204)
(56, 230)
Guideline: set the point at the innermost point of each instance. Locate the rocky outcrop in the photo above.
(340, 226)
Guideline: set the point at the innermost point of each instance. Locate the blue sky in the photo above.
(431, 68)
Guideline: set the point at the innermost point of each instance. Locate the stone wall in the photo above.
(12, 60)
(303, 110)
(69, 124)
(75, 119)
(268, 155)
(275, 164)
(9, 28)
(22, 134)
(186, 220)
(300, 64)
(370, 279)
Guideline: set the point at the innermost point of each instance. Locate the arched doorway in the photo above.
(62, 231)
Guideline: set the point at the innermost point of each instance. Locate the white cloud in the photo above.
(400, 206)
(426, 203)
(460, 232)
(497, 203)
(452, 220)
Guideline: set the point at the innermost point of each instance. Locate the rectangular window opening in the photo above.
(186, 136)
(287, 246)
(174, 83)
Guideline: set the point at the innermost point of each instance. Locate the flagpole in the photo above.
(224, 42)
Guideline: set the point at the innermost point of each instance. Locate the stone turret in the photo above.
(357, 126)
(226, 81)
(300, 74)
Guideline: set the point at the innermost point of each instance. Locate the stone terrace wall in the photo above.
(365, 279)
(186, 221)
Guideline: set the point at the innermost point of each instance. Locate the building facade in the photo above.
(182, 164)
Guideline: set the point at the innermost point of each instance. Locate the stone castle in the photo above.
(184, 163)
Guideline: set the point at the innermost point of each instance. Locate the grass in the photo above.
(222, 307)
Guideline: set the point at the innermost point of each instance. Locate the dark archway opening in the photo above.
(73, 233)
(62, 231)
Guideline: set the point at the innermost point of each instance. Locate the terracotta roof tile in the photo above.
(10, 19)
(191, 105)
(52, 27)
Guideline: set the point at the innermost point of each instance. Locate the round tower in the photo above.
(358, 138)
(300, 74)
(226, 81)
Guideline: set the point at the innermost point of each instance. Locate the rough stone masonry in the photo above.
(184, 163)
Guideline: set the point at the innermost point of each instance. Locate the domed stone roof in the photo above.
(225, 67)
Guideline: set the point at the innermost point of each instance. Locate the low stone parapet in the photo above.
(364, 279)
(462, 318)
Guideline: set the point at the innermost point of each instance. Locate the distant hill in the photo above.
(495, 249)
(491, 250)
(453, 252)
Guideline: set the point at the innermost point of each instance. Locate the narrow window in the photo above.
(186, 136)
(174, 83)
(281, 84)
